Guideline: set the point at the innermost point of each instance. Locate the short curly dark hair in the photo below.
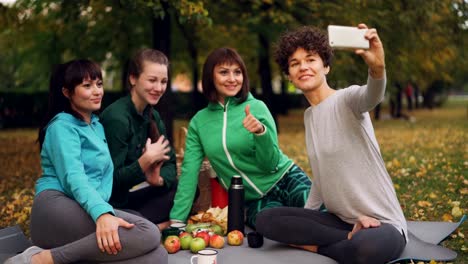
(306, 37)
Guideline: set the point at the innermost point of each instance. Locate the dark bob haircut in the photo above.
(222, 56)
(311, 39)
(67, 76)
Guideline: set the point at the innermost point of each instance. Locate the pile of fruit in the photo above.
(201, 240)
(206, 229)
(214, 215)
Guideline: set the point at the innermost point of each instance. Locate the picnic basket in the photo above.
(204, 200)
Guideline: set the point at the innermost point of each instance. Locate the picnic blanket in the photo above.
(424, 240)
(423, 245)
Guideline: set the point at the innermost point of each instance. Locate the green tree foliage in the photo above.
(39, 34)
(424, 40)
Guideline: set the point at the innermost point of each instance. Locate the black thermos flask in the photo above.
(236, 205)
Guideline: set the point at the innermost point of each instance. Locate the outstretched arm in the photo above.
(368, 96)
(374, 56)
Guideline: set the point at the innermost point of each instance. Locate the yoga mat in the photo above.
(433, 232)
(424, 237)
(12, 241)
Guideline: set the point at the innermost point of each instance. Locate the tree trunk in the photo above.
(162, 42)
(284, 97)
(377, 111)
(416, 96)
(198, 99)
(264, 71)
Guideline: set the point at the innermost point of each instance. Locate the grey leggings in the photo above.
(300, 226)
(60, 224)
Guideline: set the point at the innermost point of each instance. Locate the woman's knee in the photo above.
(370, 252)
(261, 220)
(264, 220)
(145, 234)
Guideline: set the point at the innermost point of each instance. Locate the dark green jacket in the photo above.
(126, 133)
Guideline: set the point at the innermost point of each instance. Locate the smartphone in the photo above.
(341, 37)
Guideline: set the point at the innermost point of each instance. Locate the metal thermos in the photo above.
(236, 205)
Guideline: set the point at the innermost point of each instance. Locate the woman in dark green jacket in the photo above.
(145, 165)
(237, 134)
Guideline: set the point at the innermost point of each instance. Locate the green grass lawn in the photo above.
(427, 159)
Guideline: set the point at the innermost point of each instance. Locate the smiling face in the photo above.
(228, 79)
(86, 97)
(149, 87)
(307, 71)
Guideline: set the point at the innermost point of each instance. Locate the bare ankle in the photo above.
(164, 225)
(311, 248)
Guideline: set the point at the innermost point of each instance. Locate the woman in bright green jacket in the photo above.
(237, 134)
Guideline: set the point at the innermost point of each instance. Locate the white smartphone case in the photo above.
(342, 37)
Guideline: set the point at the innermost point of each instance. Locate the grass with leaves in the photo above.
(427, 160)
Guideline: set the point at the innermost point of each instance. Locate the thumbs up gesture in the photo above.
(251, 123)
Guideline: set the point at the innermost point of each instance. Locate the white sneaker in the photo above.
(25, 257)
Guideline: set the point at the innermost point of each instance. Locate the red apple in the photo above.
(235, 238)
(185, 239)
(216, 241)
(205, 236)
(172, 244)
(197, 244)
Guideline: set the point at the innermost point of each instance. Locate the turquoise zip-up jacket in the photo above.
(76, 161)
(217, 132)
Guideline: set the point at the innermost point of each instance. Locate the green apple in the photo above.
(217, 229)
(197, 244)
(185, 239)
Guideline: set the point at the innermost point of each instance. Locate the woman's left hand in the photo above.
(107, 235)
(364, 222)
(374, 56)
(251, 123)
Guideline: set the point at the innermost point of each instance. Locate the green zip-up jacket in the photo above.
(217, 132)
(126, 132)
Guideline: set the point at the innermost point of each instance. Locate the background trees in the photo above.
(425, 41)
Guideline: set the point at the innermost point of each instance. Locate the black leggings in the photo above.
(153, 203)
(300, 226)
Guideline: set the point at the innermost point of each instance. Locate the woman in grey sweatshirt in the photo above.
(364, 222)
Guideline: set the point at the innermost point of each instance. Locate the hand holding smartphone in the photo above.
(342, 37)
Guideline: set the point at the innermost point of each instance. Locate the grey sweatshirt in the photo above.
(350, 177)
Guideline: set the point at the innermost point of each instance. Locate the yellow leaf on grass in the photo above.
(447, 218)
(456, 211)
(424, 204)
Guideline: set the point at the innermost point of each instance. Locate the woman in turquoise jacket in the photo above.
(237, 134)
(71, 219)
